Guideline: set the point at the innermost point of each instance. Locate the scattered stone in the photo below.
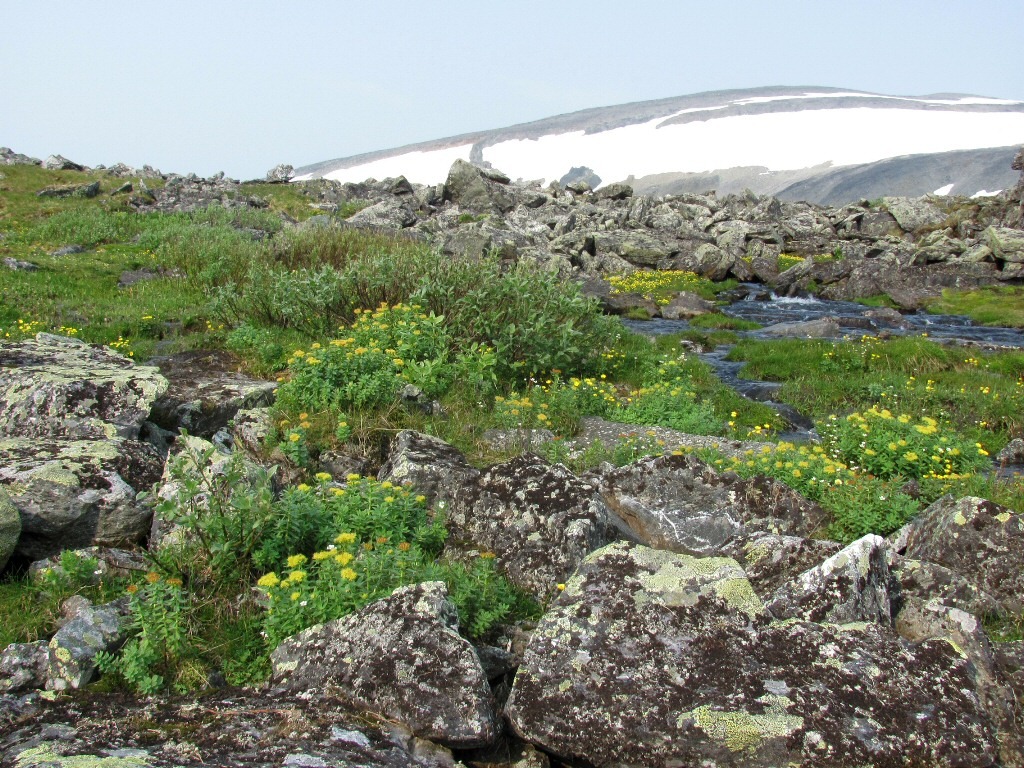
(822, 328)
(70, 190)
(72, 651)
(10, 157)
(403, 658)
(19, 266)
(1012, 453)
(67, 250)
(280, 174)
(686, 305)
(61, 163)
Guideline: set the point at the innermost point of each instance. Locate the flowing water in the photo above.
(853, 321)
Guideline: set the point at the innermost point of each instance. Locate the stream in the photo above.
(853, 321)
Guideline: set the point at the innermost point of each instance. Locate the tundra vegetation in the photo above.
(346, 319)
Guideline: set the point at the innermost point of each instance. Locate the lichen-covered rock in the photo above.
(72, 651)
(205, 390)
(679, 503)
(1006, 243)
(10, 527)
(250, 430)
(77, 493)
(473, 190)
(657, 659)
(58, 387)
(538, 519)
(913, 213)
(925, 619)
(852, 585)
(401, 657)
(979, 539)
(434, 468)
(772, 560)
(822, 328)
(930, 581)
(23, 666)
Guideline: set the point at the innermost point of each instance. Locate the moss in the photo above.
(56, 474)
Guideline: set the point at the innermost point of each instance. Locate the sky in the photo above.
(222, 85)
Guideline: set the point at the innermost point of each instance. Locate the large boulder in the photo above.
(474, 189)
(205, 390)
(852, 585)
(679, 503)
(430, 465)
(772, 560)
(1006, 243)
(71, 653)
(10, 527)
(77, 493)
(401, 657)
(979, 539)
(53, 386)
(387, 214)
(913, 213)
(658, 659)
(71, 460)
(538, 519)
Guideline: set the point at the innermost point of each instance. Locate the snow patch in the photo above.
(418, 167)
(986, 193)
(944, 190)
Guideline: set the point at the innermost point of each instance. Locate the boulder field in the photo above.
(691, 618)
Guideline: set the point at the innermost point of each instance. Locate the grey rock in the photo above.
(61, 163)
(1005, 243)
(538, 519)
(1012, 453)
(19, 266)
(472, 190)
(681, 504)
(924, 581)
(772, 560)
(280, 174)
(434, 468)
(23, 666)
(678, 653)
(617, 191)
(71, 190)
(387, 214)
(53, 386)
(77, 493)
(877, 224)
(913, 213)
(249, 430)
(401, 657)
(72, 651)
(822, 328)
(67, 250)
(979, 539)
(886, 316)
(685, 305)
(643, 248)
(852, 585)
(205, 390)
(10, 157)
(10, 527)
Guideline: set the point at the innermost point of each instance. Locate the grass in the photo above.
(995, 305)
(507, 348)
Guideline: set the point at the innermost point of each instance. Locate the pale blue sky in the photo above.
(210, 85)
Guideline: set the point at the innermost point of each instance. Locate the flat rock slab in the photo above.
(400, 657)
(53, 386)
(657, 659)
(205, 390)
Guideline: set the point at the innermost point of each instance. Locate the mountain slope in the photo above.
(771, 140)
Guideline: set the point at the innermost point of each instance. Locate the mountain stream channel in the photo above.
(768, 309)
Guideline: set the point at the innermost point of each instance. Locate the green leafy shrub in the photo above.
(158, 635)
(888, 445)
(668, 399)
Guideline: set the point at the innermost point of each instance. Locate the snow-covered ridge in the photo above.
(741, 130)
